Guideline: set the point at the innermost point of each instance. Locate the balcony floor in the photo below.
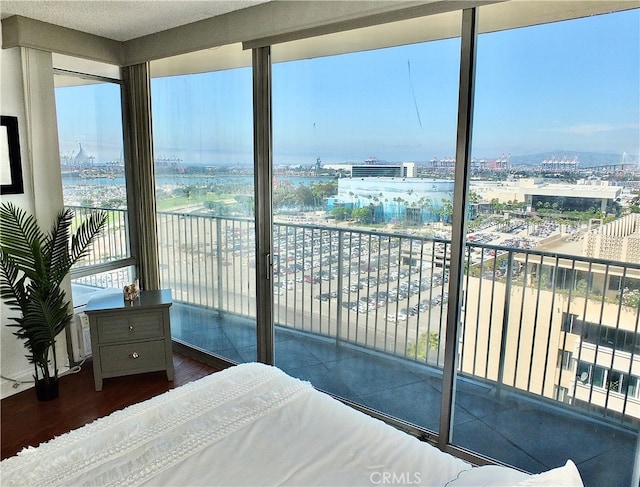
(512, 428)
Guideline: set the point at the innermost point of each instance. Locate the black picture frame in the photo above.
(10, 163)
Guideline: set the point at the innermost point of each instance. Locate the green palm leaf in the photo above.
(56, 247)
(32, 267)
(81, 240)
(21, 239)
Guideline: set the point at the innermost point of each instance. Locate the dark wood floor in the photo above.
(27, 421)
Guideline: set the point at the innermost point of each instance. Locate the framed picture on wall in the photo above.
(10, 164)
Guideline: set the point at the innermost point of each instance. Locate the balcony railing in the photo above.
(109, 264)
(558, 327)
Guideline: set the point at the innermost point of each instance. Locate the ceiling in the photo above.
(121, 20)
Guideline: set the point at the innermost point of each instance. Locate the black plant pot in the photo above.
(46, 391)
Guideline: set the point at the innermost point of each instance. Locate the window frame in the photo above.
(131, 232)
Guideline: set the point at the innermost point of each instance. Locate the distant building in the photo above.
(404, 170)
(374, 169)
(536, 192)
(618, 240)
(82, 159)
(588, 352)
(418, 200)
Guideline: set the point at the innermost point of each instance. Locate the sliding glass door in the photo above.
(549, 316)
(361, 231)
(202, 129)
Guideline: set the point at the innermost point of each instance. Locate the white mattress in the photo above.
(247, 425)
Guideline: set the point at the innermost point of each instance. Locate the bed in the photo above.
(250, 424)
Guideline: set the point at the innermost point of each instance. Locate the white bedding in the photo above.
(247, 425)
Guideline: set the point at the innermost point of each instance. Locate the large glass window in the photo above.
(204, 191)
(364, 139)
(93, 177)
(360, 233)
(555, 124)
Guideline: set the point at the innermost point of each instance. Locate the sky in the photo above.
(560, 87)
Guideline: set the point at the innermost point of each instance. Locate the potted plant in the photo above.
(33, 265)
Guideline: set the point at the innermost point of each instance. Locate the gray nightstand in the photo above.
(130, 338)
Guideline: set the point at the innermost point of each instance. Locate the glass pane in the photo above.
(552, 256)
(204, 186)
(92, 165)
(362, 232)
(631, 386)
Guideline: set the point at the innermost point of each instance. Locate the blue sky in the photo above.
(90, 115)
(566, 86)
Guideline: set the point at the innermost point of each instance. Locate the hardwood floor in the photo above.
(26, 421)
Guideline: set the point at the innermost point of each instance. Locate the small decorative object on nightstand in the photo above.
(131, 292)
(130, 337)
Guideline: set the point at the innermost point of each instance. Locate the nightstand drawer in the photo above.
(130, 326)
(133, 356)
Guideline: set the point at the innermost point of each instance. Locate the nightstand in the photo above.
(130, 337)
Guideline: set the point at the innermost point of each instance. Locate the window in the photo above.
(203, 151)
(607, 336)
(630, 386)
(565, 360)
(364, 135)
(569, 323)
(599, 377)
(584, 373)
(562, 394)
(93, 171)
(541, 91)
(603, 378)
(360, 281)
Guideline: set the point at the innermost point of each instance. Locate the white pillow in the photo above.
(488, 476)
(497, 476)
(565, 476)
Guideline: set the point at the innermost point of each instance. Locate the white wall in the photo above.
(27, 92)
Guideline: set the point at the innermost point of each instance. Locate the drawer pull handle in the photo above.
(130, 327)
(134, 355)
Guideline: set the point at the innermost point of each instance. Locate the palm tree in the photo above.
(425, 204)
(33, 265)
(446, 210)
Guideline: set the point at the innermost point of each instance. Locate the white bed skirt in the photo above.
(248, 425)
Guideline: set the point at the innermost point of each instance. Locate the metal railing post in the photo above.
(340, 285)
(219, 261)
(505, 323)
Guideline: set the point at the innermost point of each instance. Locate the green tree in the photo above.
(114, 203)
(283, 196)
(304, 196)
(446, 210)
(496, 205)
(322, 190)
(340, 213)
(364, 215)
(430, 341)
